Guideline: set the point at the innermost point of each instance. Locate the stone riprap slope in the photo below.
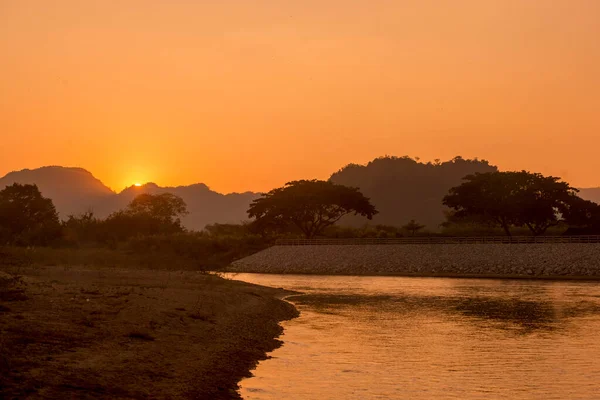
(527, 260)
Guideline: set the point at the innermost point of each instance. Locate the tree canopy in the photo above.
(512, 199)
(309, 205)
(26, 217)
(582, 216)
(147, 214)
(165, 207)
(413, 227)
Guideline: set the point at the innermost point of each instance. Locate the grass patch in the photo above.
(86, 321)
(198, 316)
(124, 258)
(12, 288)
(139, 335)
(5, 359)
(93, 292)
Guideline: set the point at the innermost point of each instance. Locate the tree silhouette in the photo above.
(81, 228)
(26, 217)
(165, 207)
(512, 199)
(583, 216)
(413, 227)
(147, 214)
(310, 205)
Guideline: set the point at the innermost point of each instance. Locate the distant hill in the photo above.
(591, 194)
(75, 190)
(204, 205)
(403, 189)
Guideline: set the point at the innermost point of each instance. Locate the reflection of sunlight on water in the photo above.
(413, 338)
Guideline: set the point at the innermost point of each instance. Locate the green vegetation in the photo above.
(518, 199)
(148, 232)
(365, 231)
(309, 205)
(26, 217)
(146, 215)
(413, 227)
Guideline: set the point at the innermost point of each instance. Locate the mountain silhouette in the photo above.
(400, 188)
(591, 194)
(75, 190)
(403, 189)
(204, 205)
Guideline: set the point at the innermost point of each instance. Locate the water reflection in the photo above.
(504, 314)
(364, 338)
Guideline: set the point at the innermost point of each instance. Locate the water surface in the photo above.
(433, 338)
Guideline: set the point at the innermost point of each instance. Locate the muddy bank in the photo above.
(551, 261)
(119, 334)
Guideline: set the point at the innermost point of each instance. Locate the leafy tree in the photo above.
(81, 228)
(582, 216)
(222, 230)
(147, 214)
(309, 205)
(542, 200)
(413, 227)
(487, 196)
(26, 217)
(511, 199)
(165, 207)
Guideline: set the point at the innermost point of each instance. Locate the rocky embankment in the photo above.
(549, 260)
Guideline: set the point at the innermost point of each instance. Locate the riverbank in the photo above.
(543, 261)
(102, 333)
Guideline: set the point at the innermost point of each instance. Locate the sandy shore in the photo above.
(131, 334)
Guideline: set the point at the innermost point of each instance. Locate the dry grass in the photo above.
(11, 288)
(92, 257)
(141, 336)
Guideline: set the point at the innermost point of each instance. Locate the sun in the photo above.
(137, 184)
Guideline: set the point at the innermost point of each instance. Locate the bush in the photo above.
(198, 249)
(26, 217)
(367, 231)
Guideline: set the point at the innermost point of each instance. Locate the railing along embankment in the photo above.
(440, 240)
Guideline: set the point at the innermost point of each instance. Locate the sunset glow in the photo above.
(411, 188)
(247, 96)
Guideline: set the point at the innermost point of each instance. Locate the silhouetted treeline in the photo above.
(166, 242)
(147, 233)
(512, 199)
(74, 191)
(401, 188)
(150, 227)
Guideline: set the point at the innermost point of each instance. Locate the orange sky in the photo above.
(246, 95)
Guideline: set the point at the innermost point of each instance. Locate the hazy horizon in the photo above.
(200, 182)
(247, 96)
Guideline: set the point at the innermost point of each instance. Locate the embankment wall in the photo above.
(543, 260)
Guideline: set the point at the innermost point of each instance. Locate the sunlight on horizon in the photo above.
(244, 96)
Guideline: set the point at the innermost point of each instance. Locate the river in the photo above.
(432, 338)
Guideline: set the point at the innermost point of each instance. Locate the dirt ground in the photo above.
(69, 333)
